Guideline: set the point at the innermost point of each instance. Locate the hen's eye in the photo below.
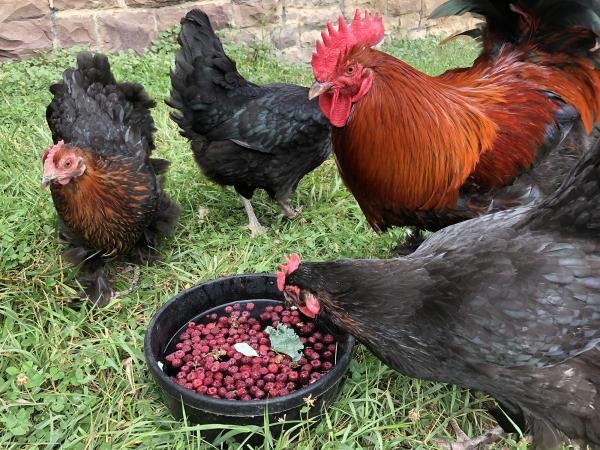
(350, 70)
(68, 164)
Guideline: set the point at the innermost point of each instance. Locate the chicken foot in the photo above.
(463, 442)
(290, 213)
(91, 277)
(256, 229)
(134, 282)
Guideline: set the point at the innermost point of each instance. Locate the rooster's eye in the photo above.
(350, 70)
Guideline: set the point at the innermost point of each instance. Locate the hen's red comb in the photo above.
(291, 265)
(336, 42)
(48, 157)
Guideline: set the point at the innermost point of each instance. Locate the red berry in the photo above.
(273, 368)
(281, 377)
(304, 377)
(176, 362)
(269, 377)
(249, 306)
(191, 376)
(292, 376)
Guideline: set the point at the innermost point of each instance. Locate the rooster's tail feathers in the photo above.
(569, 26)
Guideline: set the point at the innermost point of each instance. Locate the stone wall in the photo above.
(30, 26)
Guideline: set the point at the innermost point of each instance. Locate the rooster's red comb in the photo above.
(291, 265)
(368, 31)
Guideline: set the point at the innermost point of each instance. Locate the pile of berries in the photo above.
(207, 362)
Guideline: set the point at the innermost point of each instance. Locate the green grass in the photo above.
(74, 377)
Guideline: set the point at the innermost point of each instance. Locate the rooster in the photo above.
(243, 135)
(105, 187)
(428, 152)
(507, 303)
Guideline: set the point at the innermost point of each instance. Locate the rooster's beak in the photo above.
(317, 89)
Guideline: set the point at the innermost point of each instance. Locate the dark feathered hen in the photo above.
(508, 303)
(106, 188)
(243, 135)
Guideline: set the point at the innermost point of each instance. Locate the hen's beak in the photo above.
(46, 182)
(317, 89)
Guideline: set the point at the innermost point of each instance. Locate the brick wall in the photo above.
(30, 26)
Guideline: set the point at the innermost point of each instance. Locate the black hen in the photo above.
(243, 135)
(507, 303)
(106, 188)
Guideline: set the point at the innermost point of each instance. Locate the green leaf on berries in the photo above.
(285, 340)
(245, 349)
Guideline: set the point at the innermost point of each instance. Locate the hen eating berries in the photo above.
(306, 302)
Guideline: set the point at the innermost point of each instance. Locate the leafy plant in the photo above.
(285, 340)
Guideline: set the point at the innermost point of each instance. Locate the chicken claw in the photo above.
(288, 211)
(463, 442)
(134, 283)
